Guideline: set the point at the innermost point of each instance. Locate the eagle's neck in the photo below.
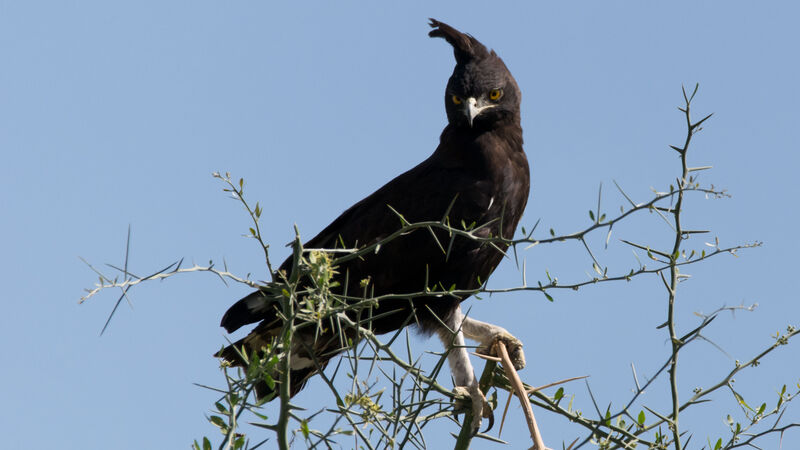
(463, 143)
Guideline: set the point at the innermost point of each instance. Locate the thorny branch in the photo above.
(376, 418)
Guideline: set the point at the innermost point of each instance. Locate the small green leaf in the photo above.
(740, 399)
(718, 445)
(217, 420)
(270, 381)
(548, 296)
(206, 444)
(761, 409)
(239, 443)
(591, 215)
(252, 231)
(641, 418)
(780, 398)
(304, 428)
(559, 394)
(552, 232)
(493, 400)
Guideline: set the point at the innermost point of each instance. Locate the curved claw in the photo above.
(478, 407)
(491, 422)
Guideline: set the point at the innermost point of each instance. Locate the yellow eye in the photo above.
(456, 99)
(495, 94)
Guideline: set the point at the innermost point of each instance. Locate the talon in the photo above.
(513, 345)
(491, 420)
(478, 406)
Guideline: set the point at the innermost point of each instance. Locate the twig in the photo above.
(516, 383)
(486, 357)
(555, 383)
(505, 412)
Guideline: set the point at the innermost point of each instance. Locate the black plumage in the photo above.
(479, 172)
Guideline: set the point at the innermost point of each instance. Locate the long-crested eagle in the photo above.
(478, 174)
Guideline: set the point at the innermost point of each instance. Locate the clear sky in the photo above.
(115, 114)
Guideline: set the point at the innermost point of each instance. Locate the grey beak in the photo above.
(473, 108)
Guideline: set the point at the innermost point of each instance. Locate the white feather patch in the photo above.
(256, 304)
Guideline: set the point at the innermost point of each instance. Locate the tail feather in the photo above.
(303, 366)
(256, 306)
(233, 353)
(297, 381)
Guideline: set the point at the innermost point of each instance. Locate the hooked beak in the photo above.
(473, 108)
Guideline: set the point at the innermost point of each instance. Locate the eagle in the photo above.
(478, 175)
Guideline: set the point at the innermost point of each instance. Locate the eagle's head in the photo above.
(481, 93)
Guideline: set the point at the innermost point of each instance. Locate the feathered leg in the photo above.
(487, 334)
(452, 337)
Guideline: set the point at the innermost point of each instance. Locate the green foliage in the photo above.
(394, 411)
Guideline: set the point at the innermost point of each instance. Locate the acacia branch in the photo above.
(521, 392)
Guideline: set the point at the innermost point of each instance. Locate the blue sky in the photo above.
(114, 114)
